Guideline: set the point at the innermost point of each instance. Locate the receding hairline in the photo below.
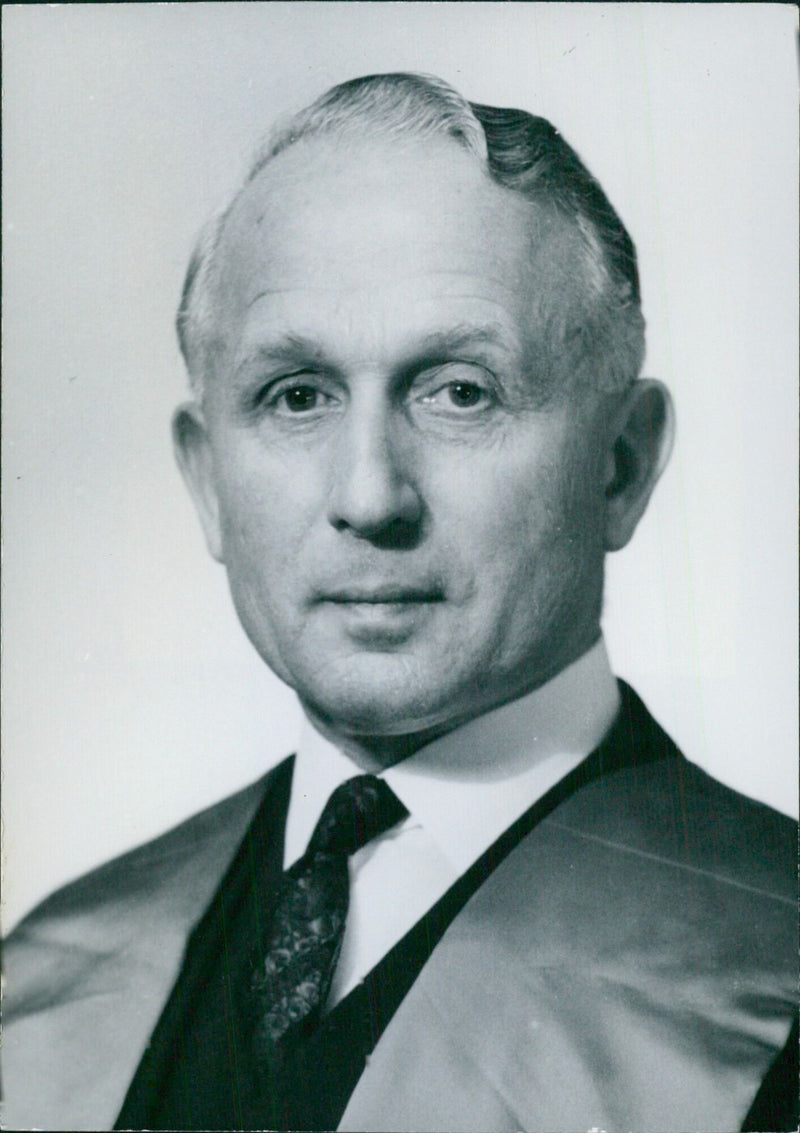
(557, 180)
(348, 156)
(215, 250)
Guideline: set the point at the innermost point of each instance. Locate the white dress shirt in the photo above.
(462, 792)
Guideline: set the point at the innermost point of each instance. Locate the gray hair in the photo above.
(523, 153)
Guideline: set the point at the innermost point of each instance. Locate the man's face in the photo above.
(410, 513)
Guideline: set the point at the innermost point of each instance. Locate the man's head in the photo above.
(415, 336)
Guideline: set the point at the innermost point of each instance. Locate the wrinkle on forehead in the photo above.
(400, 350)
(376, 224)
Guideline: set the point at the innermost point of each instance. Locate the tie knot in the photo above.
(357, 811)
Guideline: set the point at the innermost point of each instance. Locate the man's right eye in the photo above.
(295, 397)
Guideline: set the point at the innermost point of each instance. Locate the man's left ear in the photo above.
(640, 443)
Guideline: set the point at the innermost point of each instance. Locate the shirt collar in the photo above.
(468, 786)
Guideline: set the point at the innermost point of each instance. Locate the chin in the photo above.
(365, 715)
(378, 703)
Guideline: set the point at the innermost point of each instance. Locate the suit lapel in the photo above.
(582, 1012)
(112, 945)
(622, 968)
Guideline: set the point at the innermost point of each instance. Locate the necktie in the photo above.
(292, 979)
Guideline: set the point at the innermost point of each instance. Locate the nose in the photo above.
(373, 491)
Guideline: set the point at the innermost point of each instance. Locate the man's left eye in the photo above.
(459, 395)
(300, 398)
(465, 395)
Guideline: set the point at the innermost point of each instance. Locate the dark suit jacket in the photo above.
(631, 964)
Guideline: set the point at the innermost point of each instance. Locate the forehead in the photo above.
(378, 236)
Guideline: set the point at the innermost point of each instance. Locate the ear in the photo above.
(195, 459)
(640, 443)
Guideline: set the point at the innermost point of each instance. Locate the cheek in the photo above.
(257, 550)
(536, 527)
(264, 502)
(260, 559)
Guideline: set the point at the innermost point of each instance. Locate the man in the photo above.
(414, 339)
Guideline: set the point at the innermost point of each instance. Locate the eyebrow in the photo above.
(284, 348)
(430, 349)
(463, 337)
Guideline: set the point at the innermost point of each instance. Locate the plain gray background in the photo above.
(131, 697)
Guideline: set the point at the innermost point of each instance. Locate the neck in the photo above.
(375, 753)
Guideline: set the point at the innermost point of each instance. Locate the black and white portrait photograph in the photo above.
(400, 562)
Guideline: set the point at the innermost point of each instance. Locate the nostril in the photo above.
(398, 535)
(371, 503)
(396, 523)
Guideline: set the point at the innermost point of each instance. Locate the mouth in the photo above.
(383, 595)
(380, 615)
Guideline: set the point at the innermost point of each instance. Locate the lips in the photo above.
(375, 614)
(382, 594)
(378, 617)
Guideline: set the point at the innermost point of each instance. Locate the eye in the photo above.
(299, 399)
(458, 389)
(465, 395)
(297, 396)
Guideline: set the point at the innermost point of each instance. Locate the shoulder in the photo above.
(87, 972)
(645, 856)
(638, 942)
(165, 882)
(650, 799)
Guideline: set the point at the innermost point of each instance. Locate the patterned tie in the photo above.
(292, 980)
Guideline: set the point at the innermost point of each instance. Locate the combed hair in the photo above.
(603, 342)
